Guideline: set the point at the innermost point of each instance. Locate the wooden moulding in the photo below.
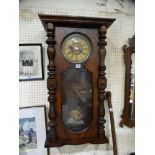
(57, 27)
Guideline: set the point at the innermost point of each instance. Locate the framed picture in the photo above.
(30, 62)
(32, 130)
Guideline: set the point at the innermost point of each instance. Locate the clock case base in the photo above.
(60, 143)
(96, 29)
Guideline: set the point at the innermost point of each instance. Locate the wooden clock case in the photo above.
(57, 27)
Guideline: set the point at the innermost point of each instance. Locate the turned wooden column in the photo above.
(102, 81)
(51, 82)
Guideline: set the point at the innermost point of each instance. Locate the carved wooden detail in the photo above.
(128, 51)
(51, 81)
(102, 81)
(57, 28)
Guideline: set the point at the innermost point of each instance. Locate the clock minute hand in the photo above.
(71, 48)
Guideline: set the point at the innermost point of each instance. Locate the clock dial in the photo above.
(76, 48)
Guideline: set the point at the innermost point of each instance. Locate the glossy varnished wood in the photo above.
(102, 81)
(75, 21)
(95, 30)
(51, 81)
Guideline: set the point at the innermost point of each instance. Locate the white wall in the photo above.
(35, 92)
(116, 6)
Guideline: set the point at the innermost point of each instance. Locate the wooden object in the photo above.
(128, 51)
(65, 89)
(108, 97)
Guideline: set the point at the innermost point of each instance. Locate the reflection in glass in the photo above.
(132, 97)
(77, 99)
(132, 88)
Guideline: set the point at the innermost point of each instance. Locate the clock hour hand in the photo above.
(71, 48)
(75, 48)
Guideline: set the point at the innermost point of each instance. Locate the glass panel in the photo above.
(77, 99)
(76, 48)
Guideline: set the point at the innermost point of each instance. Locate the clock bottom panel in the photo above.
(61, 142)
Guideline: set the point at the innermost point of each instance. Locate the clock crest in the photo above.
(76, 79)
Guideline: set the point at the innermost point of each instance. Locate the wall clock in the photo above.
(76, 79)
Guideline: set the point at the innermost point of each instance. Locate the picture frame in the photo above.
(31, 62)
(128, 114)
(32, 130)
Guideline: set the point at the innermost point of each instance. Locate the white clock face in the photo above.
(76, 48)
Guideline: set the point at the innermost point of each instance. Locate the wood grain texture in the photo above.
(93, 28)
(102, 81)
(51, 82)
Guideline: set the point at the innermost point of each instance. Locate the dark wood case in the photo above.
(57, 27)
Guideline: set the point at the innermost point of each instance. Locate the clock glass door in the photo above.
(76, 83)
